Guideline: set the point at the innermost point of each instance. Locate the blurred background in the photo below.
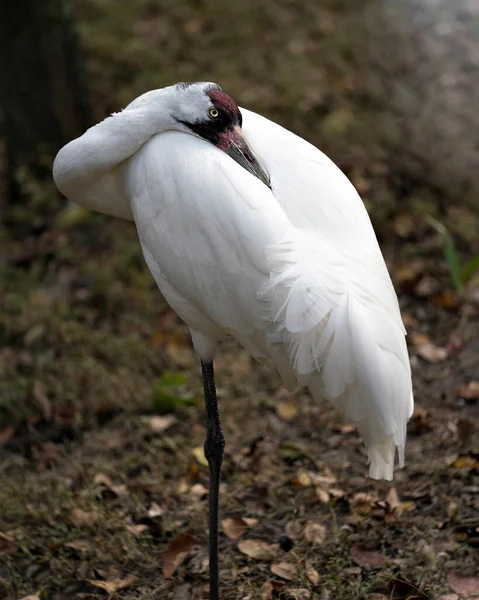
(102, 477)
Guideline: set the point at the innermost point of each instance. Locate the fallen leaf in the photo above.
(447, 298)
(137, 530)
(302, 479)
(80, 545)
(336, 493)
(392, 499)
(286, 409)
(407, 276)
(82, 518)
(466, 463)
(284, 570)
(43, 401)
(369, 559)
(155, 510)
(199, 490)
(105, 480)
(6, 434)
(315, 532)
(427, 350)
(199, 454)
(362, 503)
(267, 591)
(177, 552)
(182, 592)
(404, 225)
(297, 594)
(161, 423)
(466, 586)
(234, 528)
(114, 585)
(469, 391)
(322, 495)
(311, 573)
(6, 544)
(258, 549)
(294, 529)
(406, 506)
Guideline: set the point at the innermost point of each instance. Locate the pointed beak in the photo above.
(236, 146)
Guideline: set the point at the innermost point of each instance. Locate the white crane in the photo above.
(252, 232)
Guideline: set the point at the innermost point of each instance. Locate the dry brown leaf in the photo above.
(284, 570)
(407, 276)
(469, 391)
(199, 454)
(427, 350)
(137, 530)
(234, 528)
(6, 434)
(182, 592)
(199, 490)
(297, 594)
(466, 463)
(406, 506)
(250, 521)
(315, 532)
(82, 518)
(369, 559)
(114, 585)
(267, 591)
(404, 225)
(161, 423)
(322, 495)
(294, 529)
(362, 503)
(40, 396)
(392, 499)
(155, 510)
(258, 549)
(311, 573)
(301, 479)
(80, 545)
(336, 493)
(105, 480)
(286, 409)
(468, 587)
(7, 545)
(177, 552)
(447, 298)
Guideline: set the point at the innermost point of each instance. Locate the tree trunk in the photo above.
(43, 97)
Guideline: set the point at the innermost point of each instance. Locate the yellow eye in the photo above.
(214, 113)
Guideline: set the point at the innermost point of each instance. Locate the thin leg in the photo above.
(214, 449)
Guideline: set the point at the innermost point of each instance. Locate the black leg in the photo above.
(214, 448)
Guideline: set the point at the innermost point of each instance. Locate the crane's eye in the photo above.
(214, 113)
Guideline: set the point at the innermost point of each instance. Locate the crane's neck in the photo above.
(88, 170)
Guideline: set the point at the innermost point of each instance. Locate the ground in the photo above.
(103, 485)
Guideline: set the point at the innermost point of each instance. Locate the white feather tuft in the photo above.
(339, 322)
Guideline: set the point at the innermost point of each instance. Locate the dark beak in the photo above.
(240, 151)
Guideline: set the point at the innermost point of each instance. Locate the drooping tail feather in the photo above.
(338, 320)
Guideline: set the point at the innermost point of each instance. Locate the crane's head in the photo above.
(204, 110)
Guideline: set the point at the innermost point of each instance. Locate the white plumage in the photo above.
(293, 273)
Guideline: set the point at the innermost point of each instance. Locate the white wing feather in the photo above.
(330, 295)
